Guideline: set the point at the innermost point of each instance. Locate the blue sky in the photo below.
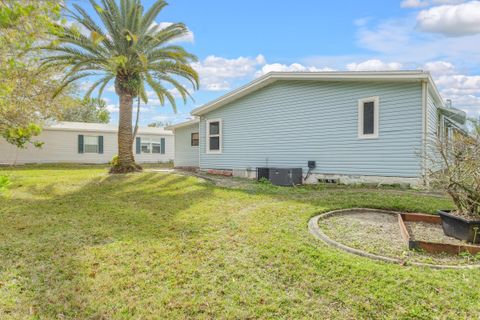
(237, 41)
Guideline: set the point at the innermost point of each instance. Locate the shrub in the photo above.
(458, 161)
(114, 162)
(4, 182)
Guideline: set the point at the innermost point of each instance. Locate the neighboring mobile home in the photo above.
(89, 143)
(356, 126)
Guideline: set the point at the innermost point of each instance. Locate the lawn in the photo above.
(76, 243)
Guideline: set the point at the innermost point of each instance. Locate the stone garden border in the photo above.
(315, 230)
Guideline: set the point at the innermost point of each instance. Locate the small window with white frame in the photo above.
(368, 118)
(90, 144)
(214, 136)
(194, 139)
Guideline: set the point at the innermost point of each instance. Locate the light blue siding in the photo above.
(432, 118)
(290, 122)
(186, 155)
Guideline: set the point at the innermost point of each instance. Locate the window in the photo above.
(214, 136)
(155, 147)
(194, 141)
(146, 146)
(368, 118)
(90, 144)
(150, 146)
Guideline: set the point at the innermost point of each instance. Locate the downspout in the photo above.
(424, 132)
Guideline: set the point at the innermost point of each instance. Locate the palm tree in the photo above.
(131, 50)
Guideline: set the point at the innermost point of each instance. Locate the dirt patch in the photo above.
(430, 232)
(379, 233)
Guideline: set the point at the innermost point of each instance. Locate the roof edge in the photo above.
(182, 124)
(404, 75)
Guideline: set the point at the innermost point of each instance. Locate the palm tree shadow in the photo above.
(50, 235)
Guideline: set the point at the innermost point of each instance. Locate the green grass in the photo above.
(76, 243)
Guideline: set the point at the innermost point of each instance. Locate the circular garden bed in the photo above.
(402, 238)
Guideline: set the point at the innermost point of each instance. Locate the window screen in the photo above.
(214, 127)
(194, 139)
(214, 143)
(90, 144)
(368, 118)
(155, 147)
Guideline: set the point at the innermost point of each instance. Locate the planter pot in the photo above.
(460, 228)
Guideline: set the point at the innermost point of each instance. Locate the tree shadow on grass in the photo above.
(45, 244)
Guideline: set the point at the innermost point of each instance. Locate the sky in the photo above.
(238, 41)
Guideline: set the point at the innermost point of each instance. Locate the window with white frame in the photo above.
(150, 146)
(368, 116)
(214, 136)
(194, 139)
(90, 144)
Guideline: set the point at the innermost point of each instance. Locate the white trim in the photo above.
(182, 124)
(100, 128)
(271, 77)
(425, 91)
(376, 115)
(208, 135)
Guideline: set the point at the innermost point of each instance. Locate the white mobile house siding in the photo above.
(61, 145)
(288, 123)
(186, 155)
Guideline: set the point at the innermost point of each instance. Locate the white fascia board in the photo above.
(312, 76)
(182, 124)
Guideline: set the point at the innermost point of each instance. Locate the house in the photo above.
(358, 127)
(89, 143)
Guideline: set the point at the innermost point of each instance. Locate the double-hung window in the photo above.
(368, 117)
(214, 136)
(90, 144)
(194, 141)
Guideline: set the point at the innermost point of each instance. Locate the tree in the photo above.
(131, 50)
(159, 124)
(25, 93)
(88, 109)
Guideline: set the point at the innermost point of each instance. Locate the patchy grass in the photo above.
(76, 243)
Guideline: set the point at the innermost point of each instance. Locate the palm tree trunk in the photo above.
(126, 160)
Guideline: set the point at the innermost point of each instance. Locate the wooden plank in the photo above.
(403, 229)
(421, 217)
(434, 247)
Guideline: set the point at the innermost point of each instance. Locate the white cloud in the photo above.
(374, 65)
(112, 108)
(396, 39)
(189, 37)
(451, 20)
(459, 84)
(426, 3)
(439, 68)
(292, 67)
(216, 73)
(413, 3)
(110, 89)
(78, 27)
(463, 90)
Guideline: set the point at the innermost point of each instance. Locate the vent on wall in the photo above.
(330, 181)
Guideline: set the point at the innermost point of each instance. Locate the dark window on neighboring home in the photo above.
(368, 118)
(155, 147)
(194, 139)
(90, 144)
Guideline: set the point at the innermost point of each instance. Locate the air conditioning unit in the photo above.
(281, 176)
